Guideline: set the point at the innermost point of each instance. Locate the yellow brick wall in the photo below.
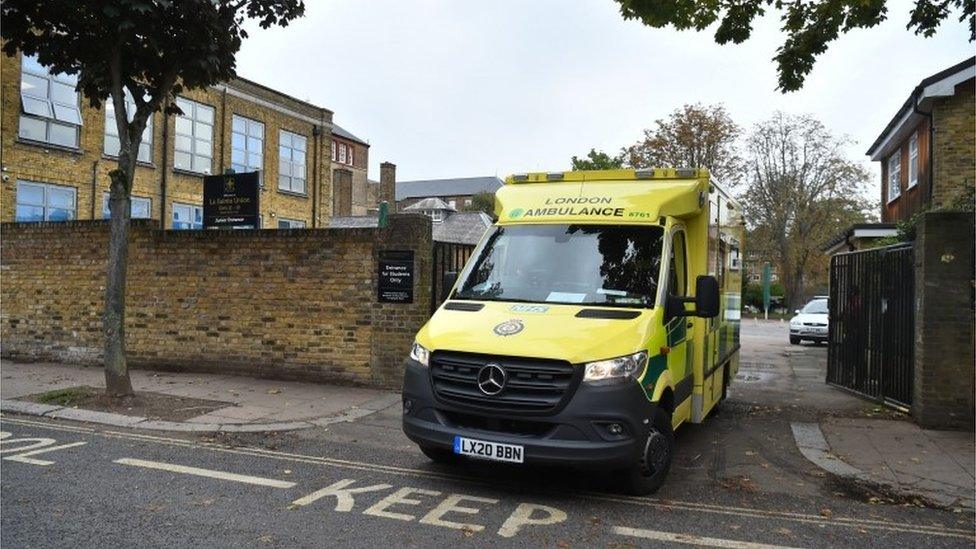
(955, 145)
(361, 201)
(87, 168)
(295, 304)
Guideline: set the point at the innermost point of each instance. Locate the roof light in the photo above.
(554, 176)
(687, 172)
(520, 177)
(644, 174)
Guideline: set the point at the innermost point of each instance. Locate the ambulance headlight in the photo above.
(418, 353)
(620, 368)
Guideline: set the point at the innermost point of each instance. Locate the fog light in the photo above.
(615, 429)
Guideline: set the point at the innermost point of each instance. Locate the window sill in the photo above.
(46, 145)
(292, 193)
(192, 173)
(892, 200)
(138, 162)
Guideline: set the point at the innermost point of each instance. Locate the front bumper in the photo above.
(575, 435)
(807, 333)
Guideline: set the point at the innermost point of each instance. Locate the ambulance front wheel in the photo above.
(651, 469)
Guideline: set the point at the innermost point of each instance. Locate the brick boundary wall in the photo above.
(288, 304)
(944, 339)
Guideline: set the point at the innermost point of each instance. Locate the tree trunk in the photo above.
(117, 382)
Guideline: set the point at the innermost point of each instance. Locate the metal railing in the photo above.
(448, 257)
(872, 323)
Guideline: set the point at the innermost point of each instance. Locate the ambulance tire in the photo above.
(439, 455)
(649, 473)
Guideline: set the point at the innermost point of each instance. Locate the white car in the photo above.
(810, 322)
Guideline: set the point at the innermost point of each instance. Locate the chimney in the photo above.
(388, 185)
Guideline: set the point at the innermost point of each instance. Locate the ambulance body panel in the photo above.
(574, 334)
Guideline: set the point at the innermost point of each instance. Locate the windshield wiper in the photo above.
(511, 299)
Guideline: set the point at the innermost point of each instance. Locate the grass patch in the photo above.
(65, 397)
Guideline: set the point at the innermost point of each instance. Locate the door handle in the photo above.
(690, 325)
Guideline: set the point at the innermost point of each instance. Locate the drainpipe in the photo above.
(223, 126)
(164, 171)
(94, 187)
(316, 141)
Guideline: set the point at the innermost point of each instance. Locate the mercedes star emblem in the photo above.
(491, 379)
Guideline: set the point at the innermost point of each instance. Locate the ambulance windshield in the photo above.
(603, 265)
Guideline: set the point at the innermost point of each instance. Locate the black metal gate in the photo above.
(872, 323)
(448, 257)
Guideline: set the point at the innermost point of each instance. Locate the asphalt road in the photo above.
(738, 481)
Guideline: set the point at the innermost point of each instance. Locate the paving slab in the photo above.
(906, 457)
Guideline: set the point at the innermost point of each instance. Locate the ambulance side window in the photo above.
(678, 266)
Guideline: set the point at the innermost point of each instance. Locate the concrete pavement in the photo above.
(252, 404)
(849, 437)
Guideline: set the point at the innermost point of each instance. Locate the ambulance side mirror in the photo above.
(706, 297)
(450, 277)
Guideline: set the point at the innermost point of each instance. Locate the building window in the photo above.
(187, 217)
(290, 224)
(112, 144)
(334, 151)
(435, 215)
(349, 149)
(51, 109)
(913, 161)
(139, 207)
(894, 176)
(247, 146)
(342, 153)
(452, 203)
(44, 202)
(193, 147)
(291, 162)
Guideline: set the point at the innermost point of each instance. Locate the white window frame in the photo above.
(342, 153)
(335, 153)
(192, 209)
(288, 181)
(349, 149)
(112, 131)
(253, 130)
(290, 223)
(894, 176)
(913, 160)
(133, 200)
(197, 146)
(436, 215)
(45, 205)
(40, 106)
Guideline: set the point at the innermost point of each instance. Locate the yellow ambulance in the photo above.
(596, 316)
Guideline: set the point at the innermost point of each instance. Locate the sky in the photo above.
(444, 88)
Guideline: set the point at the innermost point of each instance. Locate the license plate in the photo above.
(484, 449)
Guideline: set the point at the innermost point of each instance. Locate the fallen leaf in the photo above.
(274, 391)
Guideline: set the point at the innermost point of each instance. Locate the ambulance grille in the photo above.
(532, 385)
